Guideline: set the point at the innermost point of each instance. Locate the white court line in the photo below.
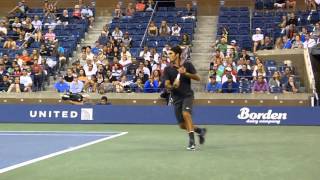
(67, 132)
(72, 135)
(59, 153)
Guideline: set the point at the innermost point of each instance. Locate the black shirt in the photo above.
(184, 90)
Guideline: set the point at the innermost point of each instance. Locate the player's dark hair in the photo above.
(177, 50)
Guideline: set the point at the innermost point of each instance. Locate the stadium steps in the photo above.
(201, 50)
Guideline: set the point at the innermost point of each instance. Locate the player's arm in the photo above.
(190, 72)
(195, 77)
(168, 85)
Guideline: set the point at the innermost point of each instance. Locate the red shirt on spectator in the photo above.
(140, 6)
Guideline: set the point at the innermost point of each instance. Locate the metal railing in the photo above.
(311, 79)
(146, 31)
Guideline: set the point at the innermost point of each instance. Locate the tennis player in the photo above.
(177, 78)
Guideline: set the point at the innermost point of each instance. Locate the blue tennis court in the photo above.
(19, 148)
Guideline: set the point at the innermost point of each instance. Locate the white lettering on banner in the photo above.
(261, 118)
(53, 114)
(64, 114)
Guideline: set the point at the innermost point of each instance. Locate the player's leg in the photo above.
(187, 116)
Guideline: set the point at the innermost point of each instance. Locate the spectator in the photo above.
(37, 24)
(26, 80)
(280, 4)
(259, 71)
(76, 86)
(64, 19)
(286, 43)
(151, 85)
(152, 29)
(86, 13)
(257, 39)
(22, 8)
(227, 74)
(24, 58)
(230, 86)
(275, 83)
(38, 75)
(4, 83)
(10, 44)
(268, 44)
(316, 31)
(175, 29)
(260, 85)
(69, 76)
(61, 86)
(117, 34)
(145, 54)
(123, 85)
(130, 10)
(76, 12)
(16, 86)
(223, 46)
(154, 56)
(16, 24)
(3, 30)
(213, 86)
(124, 51)
(309, 42)
(138, 86)
(125, 61)
(127, 40)
(286, 75)
(291, 4)
(150, 5)
(290, 86)
(140, 6)
(312, 4)
(278, 43)
(185, 40)
(104, 101)
(297, 44)
(244, 54)
(164, 29)
(143, 69)
(244, 73)
(50, 36)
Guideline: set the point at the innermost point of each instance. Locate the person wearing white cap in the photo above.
(257, 39)
(228, 71)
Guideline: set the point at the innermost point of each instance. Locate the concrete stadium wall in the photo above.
(205, 99)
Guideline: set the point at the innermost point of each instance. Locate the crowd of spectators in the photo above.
(30, 51)
(248, 73)
(110, 66)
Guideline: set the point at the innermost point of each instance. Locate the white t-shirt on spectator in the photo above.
(4, 30)
(25, 80)
(86, 68)
(37, 24)
(309, 44)
(118, 35)
(146, 56)
(175, 32)
(86, 13)
(257, 37)
(125, 63)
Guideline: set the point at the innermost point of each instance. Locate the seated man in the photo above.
(61, 86)
(213, 86)
(230, 86)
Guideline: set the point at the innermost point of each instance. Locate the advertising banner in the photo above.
(72, 114)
